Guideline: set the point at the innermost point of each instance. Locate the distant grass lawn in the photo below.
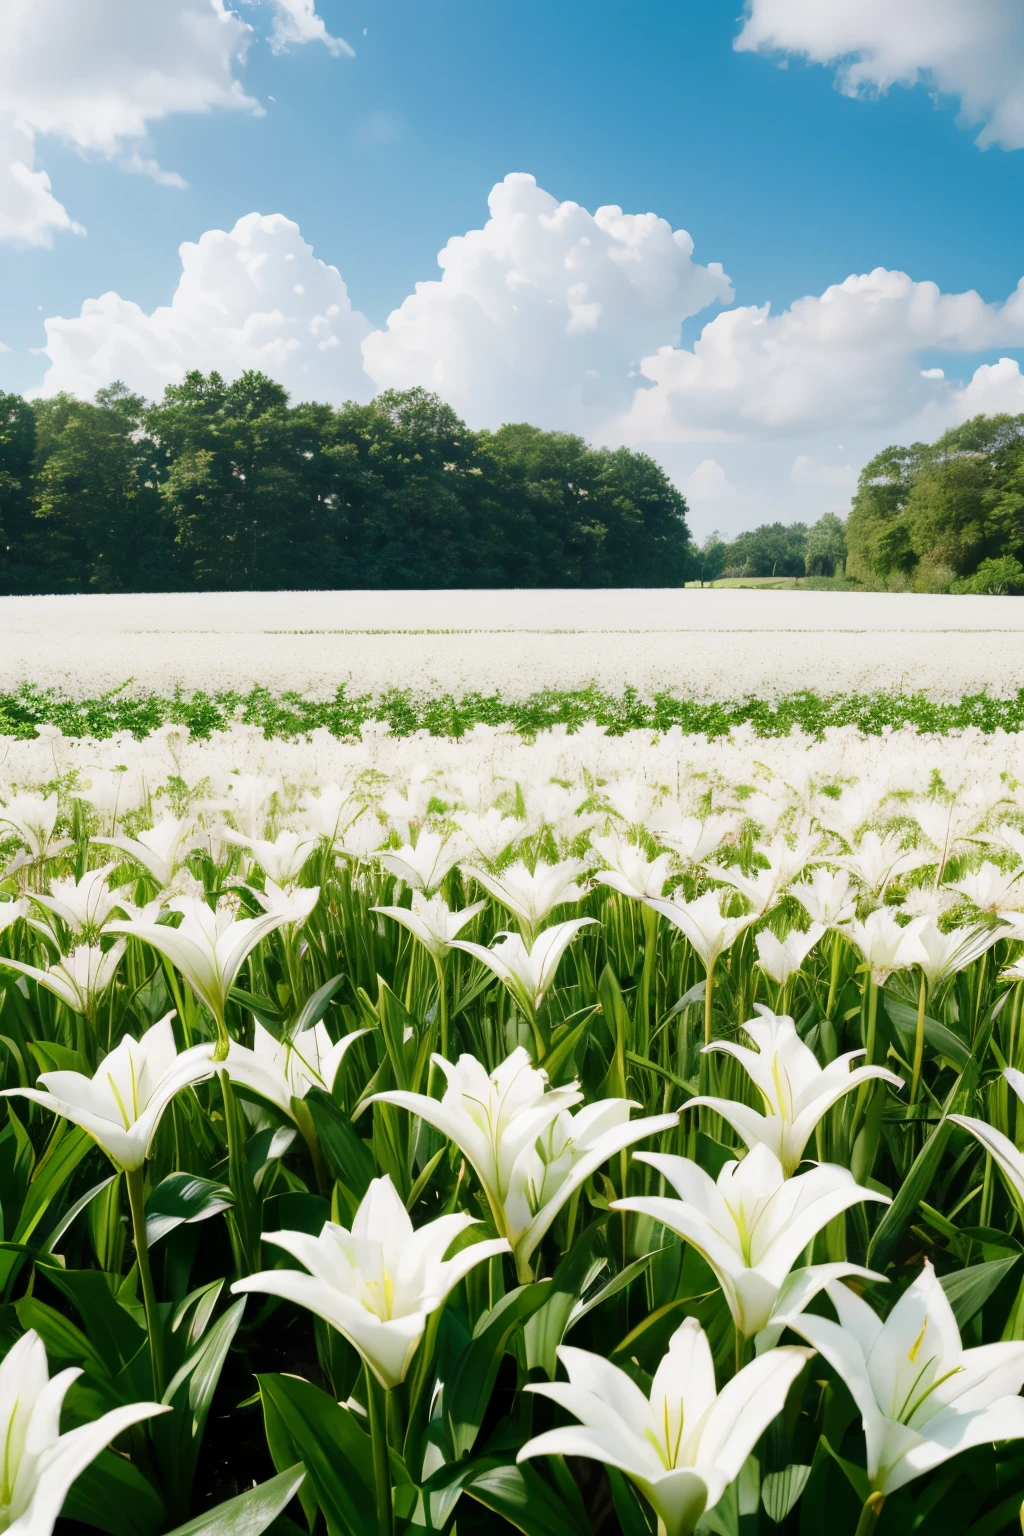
(773, 583)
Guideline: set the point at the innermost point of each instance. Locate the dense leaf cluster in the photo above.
(448, 715)
(229, 486)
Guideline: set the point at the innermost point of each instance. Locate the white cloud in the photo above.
(849, 358)
(296, 21)
(254, 297)
(544, 313)
(708, 482)
(30, 215)
(970, 49)
(812, 472)
(97, 74)
(994, 388)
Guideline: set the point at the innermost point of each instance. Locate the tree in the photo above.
(17, 453)
(825, 553)
(710, 559)
(773, 549)
(880, 502)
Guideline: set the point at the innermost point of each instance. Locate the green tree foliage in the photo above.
(231, 486)
(774, 549)
(933, 514)
(825, 551)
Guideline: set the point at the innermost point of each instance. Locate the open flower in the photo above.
(795, 1090)
(779, 958)
(39, 1463)
(424, 866)
(161, 848)
(943, 954)
(876, 862)
(121, 1105)
(884, 945)
(752, 1225)
(922, 1396)
(211, 946)
(630, 871)
(85, 905)
(281, 860)
(683, 1445)
(528, 973)
(379, 1283)
(527, 1150)
(430, 920)
(692, 837)
(79, 979)
(531, 895)
(34, 819)
(828, 897)
(702, 922)
(283, 1070)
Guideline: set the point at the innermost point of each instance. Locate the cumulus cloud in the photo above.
(970, 49)
(708, 482)
(849, 357)
(97, 74)
(254, 297)
(545, 312)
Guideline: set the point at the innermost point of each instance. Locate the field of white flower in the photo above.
(583, 1133)
(696, 644)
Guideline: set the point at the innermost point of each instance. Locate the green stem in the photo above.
(442, 1008)
(377, 1404)
(834, 978)
(915, 1080)
(709, 987)
(135, 1178)
(870, 1513)
(872, 1022)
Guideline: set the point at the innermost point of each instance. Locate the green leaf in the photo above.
(336, 1452)
(523, 1498)
(314, 1008)
(913, 1189)
(51, 1174)
(942, 1040)
(250, 1513)
(466, 1396)
(856, 1476)
(546, 1328)
(632, 1514)
(113, 1495)
(76, 1210)
(967, 1290)
(345, 1153)
(182, 1198)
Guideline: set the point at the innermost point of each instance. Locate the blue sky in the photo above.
(379, 159)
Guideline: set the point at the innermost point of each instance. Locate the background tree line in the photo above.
(230, 486)
(778, 549)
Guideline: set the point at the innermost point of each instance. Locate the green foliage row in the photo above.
(230, 487)
(293, 714)
(945, 516)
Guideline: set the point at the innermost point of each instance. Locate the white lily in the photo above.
(283, 859)
(431, 920)
(121, 1105)
(876, 862)
(209, 948)
(34, 819)
(378, 1283)
(79, 979)
(779, 958)
(492, 833)
(683, 1445)
(527, 1150)
(884, 945)
(327, 814)
(828, 897)
(702, 922)
(692, 837)
(922, 1397)
(796, 1092)
(161, 848)
(84, 905)
(990, 888)
(283, 1070)
(532, 896)
(424, 867)
(764, 887)
(943, 954)
(630, 871)
(290, 907)
(39, 1463)
(527, 972)
(752, 1224)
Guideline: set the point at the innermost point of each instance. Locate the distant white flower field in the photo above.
(702, 645)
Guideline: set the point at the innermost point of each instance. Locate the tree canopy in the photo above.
(224, 486)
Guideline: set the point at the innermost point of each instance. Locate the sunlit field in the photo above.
(554, 1125)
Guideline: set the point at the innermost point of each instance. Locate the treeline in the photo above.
(945, 516)
(778, 549)
(231, 486)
